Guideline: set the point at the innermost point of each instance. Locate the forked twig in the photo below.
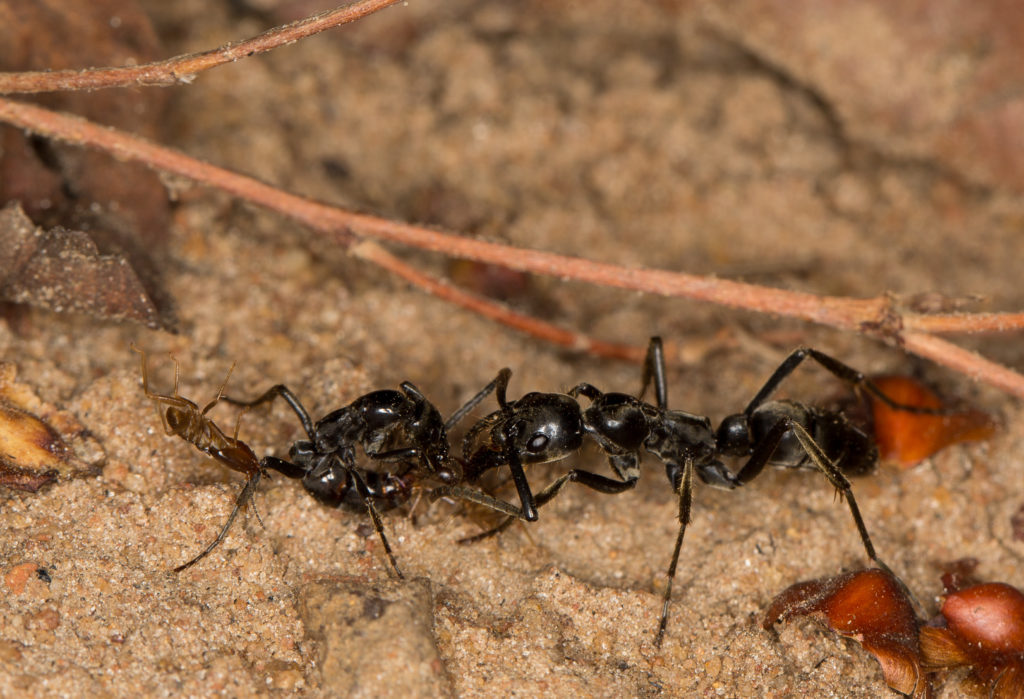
(875, 316)
(182, 69)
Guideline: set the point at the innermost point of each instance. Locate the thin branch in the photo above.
(870, 316)
(964, 322)
(182, 69)
(964, 361)
(370, 251)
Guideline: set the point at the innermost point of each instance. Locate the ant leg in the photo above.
(841, 371)
(248, 493)
(403, 454)
(684, 487)
(526, 497)
(238, 424)
(654, 370)
(289, 469)
(172, 401)
(289, 398)
(767, 447)
(145, 370)
(177, 367)
(378, 525)
(500, 383)
(594, 481)
(479, 497)
(840, 482)
(220, 391)
(836, 477)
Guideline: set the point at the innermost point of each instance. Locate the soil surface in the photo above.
(689, 136)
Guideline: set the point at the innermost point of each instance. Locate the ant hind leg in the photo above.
(246, 495)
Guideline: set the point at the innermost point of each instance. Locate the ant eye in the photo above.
(537, 443)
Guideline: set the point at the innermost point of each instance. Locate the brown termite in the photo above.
(183, 418)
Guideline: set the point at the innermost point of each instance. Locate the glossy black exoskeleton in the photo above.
(783, 434)
(391, 427)
(535, 429)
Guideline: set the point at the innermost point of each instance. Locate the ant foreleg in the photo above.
(287, 468)
(378, 525)
(594, 481)
(526, 498)
(171, 401)
(220, 391)
(841, 371)
(654, 370)
(766, 448)
(501, 379)
(478, 497)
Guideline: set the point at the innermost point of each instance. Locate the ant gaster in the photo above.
(391, 426)
(183, 418)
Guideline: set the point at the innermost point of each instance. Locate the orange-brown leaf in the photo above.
(907, 437)
(870, 606)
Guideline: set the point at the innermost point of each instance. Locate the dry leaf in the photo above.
(62, 270)
(124, 206)
(981, 627)
(907, 438)
(870, 606)
(32, 450)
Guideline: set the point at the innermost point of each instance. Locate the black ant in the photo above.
(183, 418)
(545, 427)
(391, 427)
(540, 428)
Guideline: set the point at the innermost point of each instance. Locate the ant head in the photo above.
(545, 427)
(179, 419)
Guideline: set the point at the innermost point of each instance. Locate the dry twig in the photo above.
(875, 316)
(182, 69)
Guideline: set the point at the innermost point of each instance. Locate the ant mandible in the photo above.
(183, 418)
(391, 427)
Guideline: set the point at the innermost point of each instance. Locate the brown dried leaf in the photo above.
(908, 438)
(32, 452)
(870, 606)
(981, 627)
(123, 205)
(62, 270)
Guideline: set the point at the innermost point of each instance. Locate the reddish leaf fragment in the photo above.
(908, 438)
(62, 270)
(990, 617)
(490, 280)
(870, 606)
(981, 627)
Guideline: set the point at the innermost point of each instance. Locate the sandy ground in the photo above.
(656, 134)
